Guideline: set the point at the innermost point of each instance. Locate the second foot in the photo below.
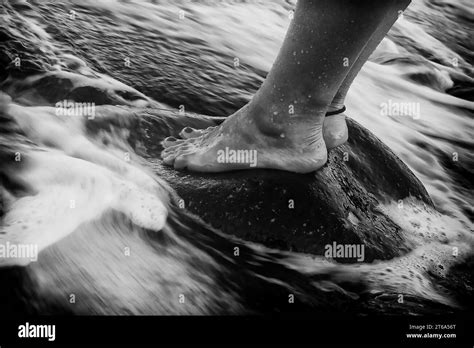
(335, 132)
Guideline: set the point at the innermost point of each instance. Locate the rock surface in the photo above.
(298, 212)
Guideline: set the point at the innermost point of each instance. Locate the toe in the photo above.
(185, 155)
(171, 141)
(168, 159)
(177, 149)
(189, 133)
(181, 161)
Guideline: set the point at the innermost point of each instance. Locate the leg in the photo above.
(335, 128)
(284, 120)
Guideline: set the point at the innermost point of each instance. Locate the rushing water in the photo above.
(166, 54)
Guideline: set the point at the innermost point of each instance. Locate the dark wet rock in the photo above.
(458, 283)
(297, 212)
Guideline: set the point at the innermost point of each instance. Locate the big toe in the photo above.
(170, 154)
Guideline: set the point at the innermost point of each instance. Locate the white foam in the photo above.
(75, 181)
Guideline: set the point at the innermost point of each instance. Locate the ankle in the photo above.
(278, 123)
(336, 104)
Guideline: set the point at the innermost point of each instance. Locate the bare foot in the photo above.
(246, 140)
